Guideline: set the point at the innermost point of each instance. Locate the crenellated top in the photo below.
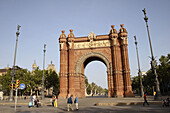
(92, 40)
(122, 31)
(113, 32)
(71, 33)
(63, 34)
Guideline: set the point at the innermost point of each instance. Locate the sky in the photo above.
(43, 20)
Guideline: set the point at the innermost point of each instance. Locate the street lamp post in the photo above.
(43, 72)
(153, 61)
(13, 69)
(139, 71)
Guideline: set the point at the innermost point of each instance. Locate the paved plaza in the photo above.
(89, 105)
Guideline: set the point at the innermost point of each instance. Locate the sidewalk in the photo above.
(92, 101)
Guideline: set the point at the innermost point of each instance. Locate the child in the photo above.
(30, 104)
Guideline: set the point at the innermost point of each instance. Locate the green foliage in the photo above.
(36, 78)
(163, 71)
(100, 89)
(5, 80)
(105, 91)
(31, 80)
(93, 87)
(24, 76)
(135, 84)
(52, 80)
(149, 82)
(86, 81)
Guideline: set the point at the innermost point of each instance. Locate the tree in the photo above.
(135, 84)
(93, 85)
(164, 73)
(5, 80)
(149, 82)
(86, 85)
(21, 74)
(105, 91)
(24, 76)
(92, 88)
(52, 80)
(100, 90)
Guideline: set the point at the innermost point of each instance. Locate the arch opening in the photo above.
(96, 75)
(85, 60)
(91, 59)
(92, 56)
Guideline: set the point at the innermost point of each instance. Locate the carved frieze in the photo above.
(92, 44)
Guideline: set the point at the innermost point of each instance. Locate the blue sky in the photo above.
(42, 21)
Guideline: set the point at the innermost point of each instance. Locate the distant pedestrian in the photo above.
(76, 102)
(31, 99)
(69, 103)
(53, 100)
(166, 102)
(34, 99)
(38, 103)
(31, 102)
(154, 93)
(145, 100)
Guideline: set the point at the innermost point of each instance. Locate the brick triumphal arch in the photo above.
(77, 52)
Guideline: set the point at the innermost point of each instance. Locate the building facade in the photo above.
(77, 52)
(51, 67)
(34, 66)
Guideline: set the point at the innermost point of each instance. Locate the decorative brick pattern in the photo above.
(77, 52)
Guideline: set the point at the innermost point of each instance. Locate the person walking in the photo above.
(53, 100)
(69, 103)
(76, 102)
(31, 102)
(145, 100)
(34, 99)
(31, 99)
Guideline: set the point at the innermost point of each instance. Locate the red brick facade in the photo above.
(77, 52)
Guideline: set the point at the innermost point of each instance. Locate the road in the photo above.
(88, 105)
(84, 109)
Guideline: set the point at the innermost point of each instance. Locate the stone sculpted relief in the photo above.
(92, 44)
(91, 36)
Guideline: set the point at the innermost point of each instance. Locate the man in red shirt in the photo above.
(145, 100)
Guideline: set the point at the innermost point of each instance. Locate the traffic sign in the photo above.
(22, 86)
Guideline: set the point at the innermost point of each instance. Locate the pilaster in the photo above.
(63, 66)
(71, 68)
(125, 62)
(116, 64)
